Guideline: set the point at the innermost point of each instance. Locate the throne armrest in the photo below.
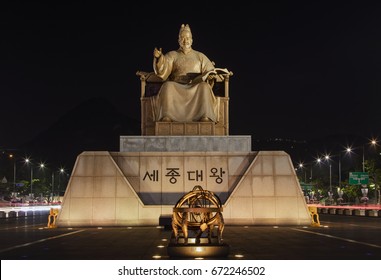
(150, 83)
(220, 81)
(149, 77)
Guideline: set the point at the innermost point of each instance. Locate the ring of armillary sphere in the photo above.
(201, 205)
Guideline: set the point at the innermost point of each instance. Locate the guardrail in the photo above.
(25, 211)
(349, 210)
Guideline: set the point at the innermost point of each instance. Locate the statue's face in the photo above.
(185, 40)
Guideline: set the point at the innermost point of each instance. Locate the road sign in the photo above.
(306, 187)
(358, 178)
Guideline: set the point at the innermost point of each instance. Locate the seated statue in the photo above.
(186, 94)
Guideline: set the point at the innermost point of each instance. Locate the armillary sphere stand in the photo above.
(197, 226)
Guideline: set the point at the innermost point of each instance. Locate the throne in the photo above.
(150, 85)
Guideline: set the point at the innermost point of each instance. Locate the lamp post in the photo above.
(330, 177)
(62, 171)
(327, 158)
(374, 143)
(14, 173)
(330, 193)
(363, 158)
(42, 166)
(340, 171)
(301, 168)
(52, 185)
(29, 163)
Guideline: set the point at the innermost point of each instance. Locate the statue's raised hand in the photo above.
(157, 53)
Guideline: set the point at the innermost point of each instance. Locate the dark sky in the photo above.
(301, 69)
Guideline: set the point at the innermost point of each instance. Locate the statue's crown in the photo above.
(185, 27)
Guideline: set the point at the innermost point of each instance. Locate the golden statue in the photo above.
(186, 95)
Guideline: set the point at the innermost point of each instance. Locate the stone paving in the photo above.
(339, 237)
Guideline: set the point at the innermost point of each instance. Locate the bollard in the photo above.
(21, 214)
(332, 211)
(372, 213)
(52, 217)
(314, 216)
(348, 212)
(12, 214)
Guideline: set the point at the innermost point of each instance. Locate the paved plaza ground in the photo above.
(337, 238)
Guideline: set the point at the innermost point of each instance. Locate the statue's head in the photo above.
(185, 28)
(185, 37)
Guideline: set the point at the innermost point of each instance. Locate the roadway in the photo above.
(338, 237)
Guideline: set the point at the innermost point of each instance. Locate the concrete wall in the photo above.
(268, 194)
(135, 188)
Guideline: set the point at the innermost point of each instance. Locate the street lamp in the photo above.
(14, 173)
(42, 166)
(301, 168)
(62, 171)
(327, 158)
(28, 162)
(374, 143)
(52, 185)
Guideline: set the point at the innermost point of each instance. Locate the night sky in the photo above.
(301, 69)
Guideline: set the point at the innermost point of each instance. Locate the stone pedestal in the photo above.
(144, 180)
(240, 143)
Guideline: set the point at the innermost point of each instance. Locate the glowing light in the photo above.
(199, 249)
(164, 239)
(160, 246)
(238, 256)
(156, 257)
(30, 208)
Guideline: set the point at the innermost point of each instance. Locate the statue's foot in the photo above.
(205, 119)
(166, 119)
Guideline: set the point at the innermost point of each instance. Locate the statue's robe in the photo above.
(184, 96)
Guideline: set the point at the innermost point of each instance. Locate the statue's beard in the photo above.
(186, 48)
